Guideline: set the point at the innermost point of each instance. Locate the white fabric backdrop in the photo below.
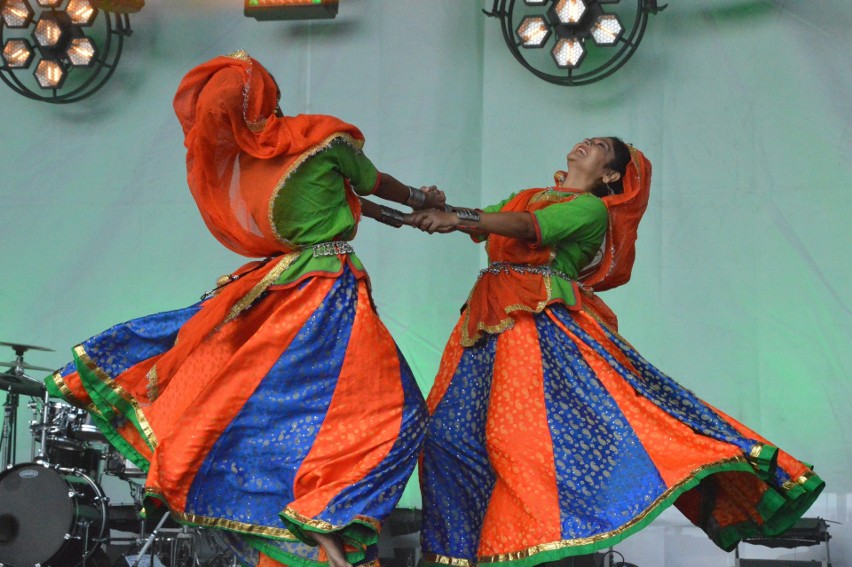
(739, 291)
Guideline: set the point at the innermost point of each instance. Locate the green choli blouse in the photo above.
(311, 207)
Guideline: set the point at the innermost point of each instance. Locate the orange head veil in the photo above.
(238, 154)
(613, 267)
(238, 151)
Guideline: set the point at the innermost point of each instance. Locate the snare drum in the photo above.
(59, 424)
(85, 429)
(49, 516)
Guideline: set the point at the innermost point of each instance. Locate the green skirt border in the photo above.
(779, 511)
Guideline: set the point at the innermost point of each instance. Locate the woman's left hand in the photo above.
(434, 220)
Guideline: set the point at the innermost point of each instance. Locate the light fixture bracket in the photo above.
(104, 30)
(605, 42)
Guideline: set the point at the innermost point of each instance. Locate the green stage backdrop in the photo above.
(740, 290)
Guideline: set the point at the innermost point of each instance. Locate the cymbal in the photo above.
(21, 347)
(21, 385)
(25, 366)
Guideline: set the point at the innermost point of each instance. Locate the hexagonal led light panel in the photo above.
(81, 12)
(588, 40)
(61, 51)
(48, 31)
(570, 11)
(607, 29)
(533, 31)
(568, 52)
(17, 13)
(49, 74)
(18, 53)
(81, 52)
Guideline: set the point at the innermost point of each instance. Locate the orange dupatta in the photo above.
(239, 153)
(625, 210)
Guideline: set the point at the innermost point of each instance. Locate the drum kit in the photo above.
(53, 509)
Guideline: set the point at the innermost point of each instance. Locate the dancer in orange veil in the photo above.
(550, 436)
(278, 409)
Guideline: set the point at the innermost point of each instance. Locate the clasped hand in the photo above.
(434, 220)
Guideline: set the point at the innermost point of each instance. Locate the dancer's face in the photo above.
(592, 156)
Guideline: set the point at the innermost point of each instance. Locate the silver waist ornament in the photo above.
(332, 248)
(505, 267)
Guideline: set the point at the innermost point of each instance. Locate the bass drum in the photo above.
(49, 516)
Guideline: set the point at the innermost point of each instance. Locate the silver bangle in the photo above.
(468, 215)
(416, 198)
(391, 217)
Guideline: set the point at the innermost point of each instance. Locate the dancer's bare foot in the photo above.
(332, 544)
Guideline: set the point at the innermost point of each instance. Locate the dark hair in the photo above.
(619, 164)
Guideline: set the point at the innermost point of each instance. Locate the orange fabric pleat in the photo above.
(363, 420)
(659, 432)
(192, 414)
(524, 507)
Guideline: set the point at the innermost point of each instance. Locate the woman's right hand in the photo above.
(435, 198)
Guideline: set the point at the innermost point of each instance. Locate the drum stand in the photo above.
(150, 540)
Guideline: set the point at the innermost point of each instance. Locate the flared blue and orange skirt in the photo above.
(299, 415)
(556, 438)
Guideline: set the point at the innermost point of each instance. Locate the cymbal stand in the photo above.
(10, 426)
(8, 438)
(10, 413)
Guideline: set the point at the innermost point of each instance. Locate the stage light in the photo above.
(76, 45)
(569, 11)
(48, 31)
(17, 14)
(18, 53)
(587, 39)
(81, 52)
(568, 53)
(81, 12)
(290, 9)
(533, 32)
(49, 74)
(607, 29)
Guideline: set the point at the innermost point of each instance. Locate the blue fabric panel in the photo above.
(376, 494)
(458, 478)
(603, 474)
(248, 475)
(126, 344)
